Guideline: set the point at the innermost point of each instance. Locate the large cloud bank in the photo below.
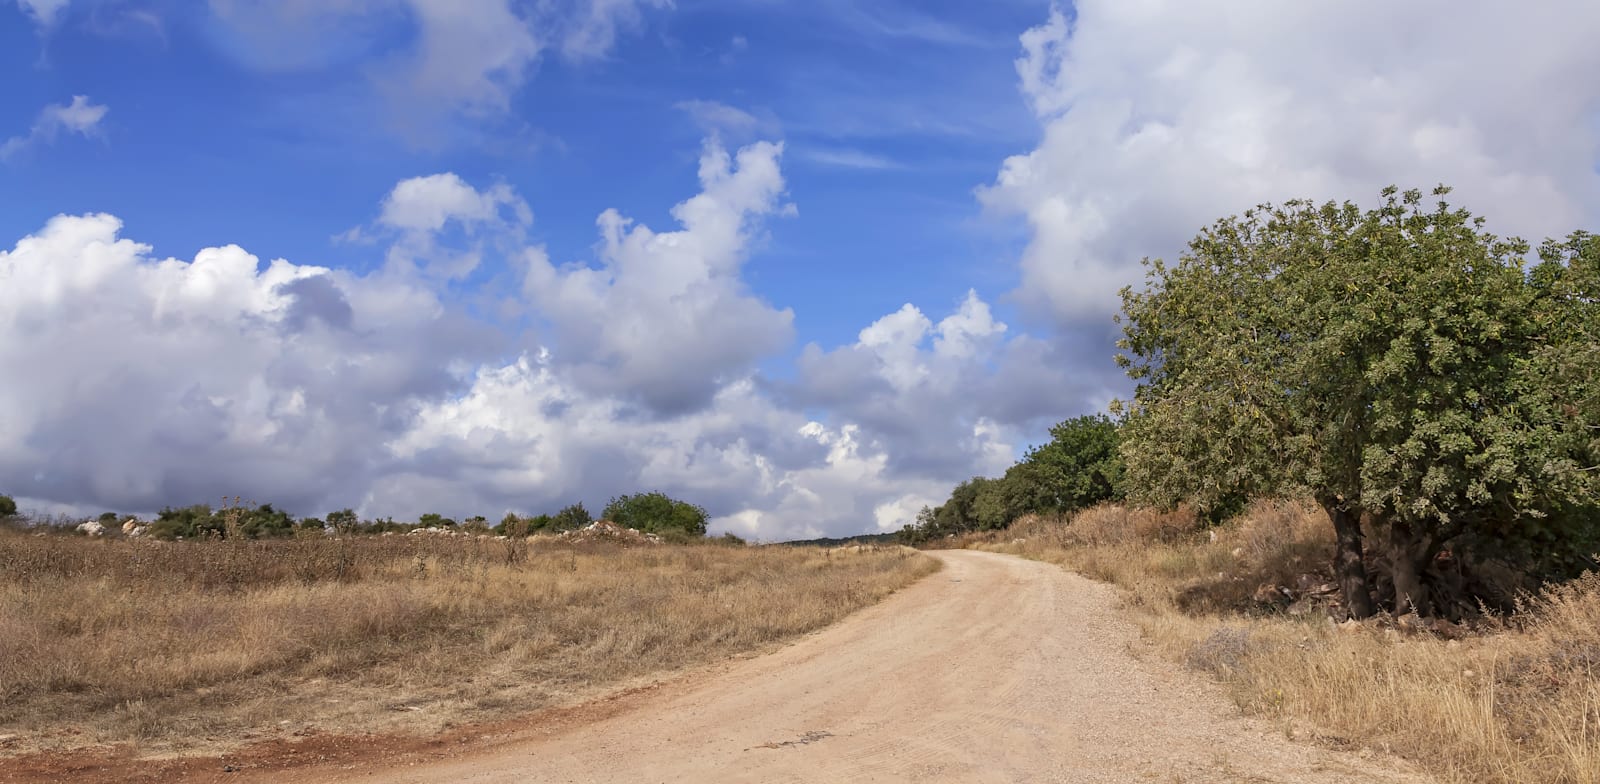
(1159, 117)
(146, 381)
(134, 381)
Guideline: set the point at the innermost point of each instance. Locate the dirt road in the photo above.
(994, 670)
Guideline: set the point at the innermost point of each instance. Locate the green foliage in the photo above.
(923, 529)
(1394, 363)
(343, 521)
(186, 523)
(383, 525)
(1567, 290)
(8, 506)
(656, 513)
(201, 521)
(1079, 467)
(569, 519)
(960, 512)
(434, 520)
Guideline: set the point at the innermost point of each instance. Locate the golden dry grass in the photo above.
(1519, 701)
(196, 646)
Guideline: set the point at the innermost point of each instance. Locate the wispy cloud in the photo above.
(715, 117)
(891, 20)
(737, 46)
(80, 117)
(849, 158)
(43, 12)
(592, 32)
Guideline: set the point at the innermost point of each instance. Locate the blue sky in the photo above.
(805, 263)
(892, 116)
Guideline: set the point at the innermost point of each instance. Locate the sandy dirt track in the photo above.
(996, 669)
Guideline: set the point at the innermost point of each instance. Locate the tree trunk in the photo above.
(1405, 555)
(1348, 566)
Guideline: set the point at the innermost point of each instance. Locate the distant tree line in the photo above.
(1079, 467)
(651, 512)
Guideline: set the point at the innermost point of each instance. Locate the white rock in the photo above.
(91, 528)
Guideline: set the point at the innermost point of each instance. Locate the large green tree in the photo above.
(656, 513)
(1078, 468)
(1387, 362)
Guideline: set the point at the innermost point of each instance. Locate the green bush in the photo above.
(8, 506)
(343, 521)
(433, 520)
(187, 522)
(656, 513)
(200, 520)
(569, 519)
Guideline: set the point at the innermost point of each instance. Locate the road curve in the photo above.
(995, 669)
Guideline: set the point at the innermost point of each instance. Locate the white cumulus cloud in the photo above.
(1161, 116)
(950, 399)
(427, 203)
(151, 381)
(666, 317)
(470, 55)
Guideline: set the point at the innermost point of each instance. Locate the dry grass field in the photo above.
(188, 647)
(1512, 700)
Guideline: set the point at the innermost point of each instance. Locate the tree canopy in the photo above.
(1396, 364)
(656, 512)
(1077, 468)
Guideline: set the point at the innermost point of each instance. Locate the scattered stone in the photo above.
(91, 528)
(607, 531)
